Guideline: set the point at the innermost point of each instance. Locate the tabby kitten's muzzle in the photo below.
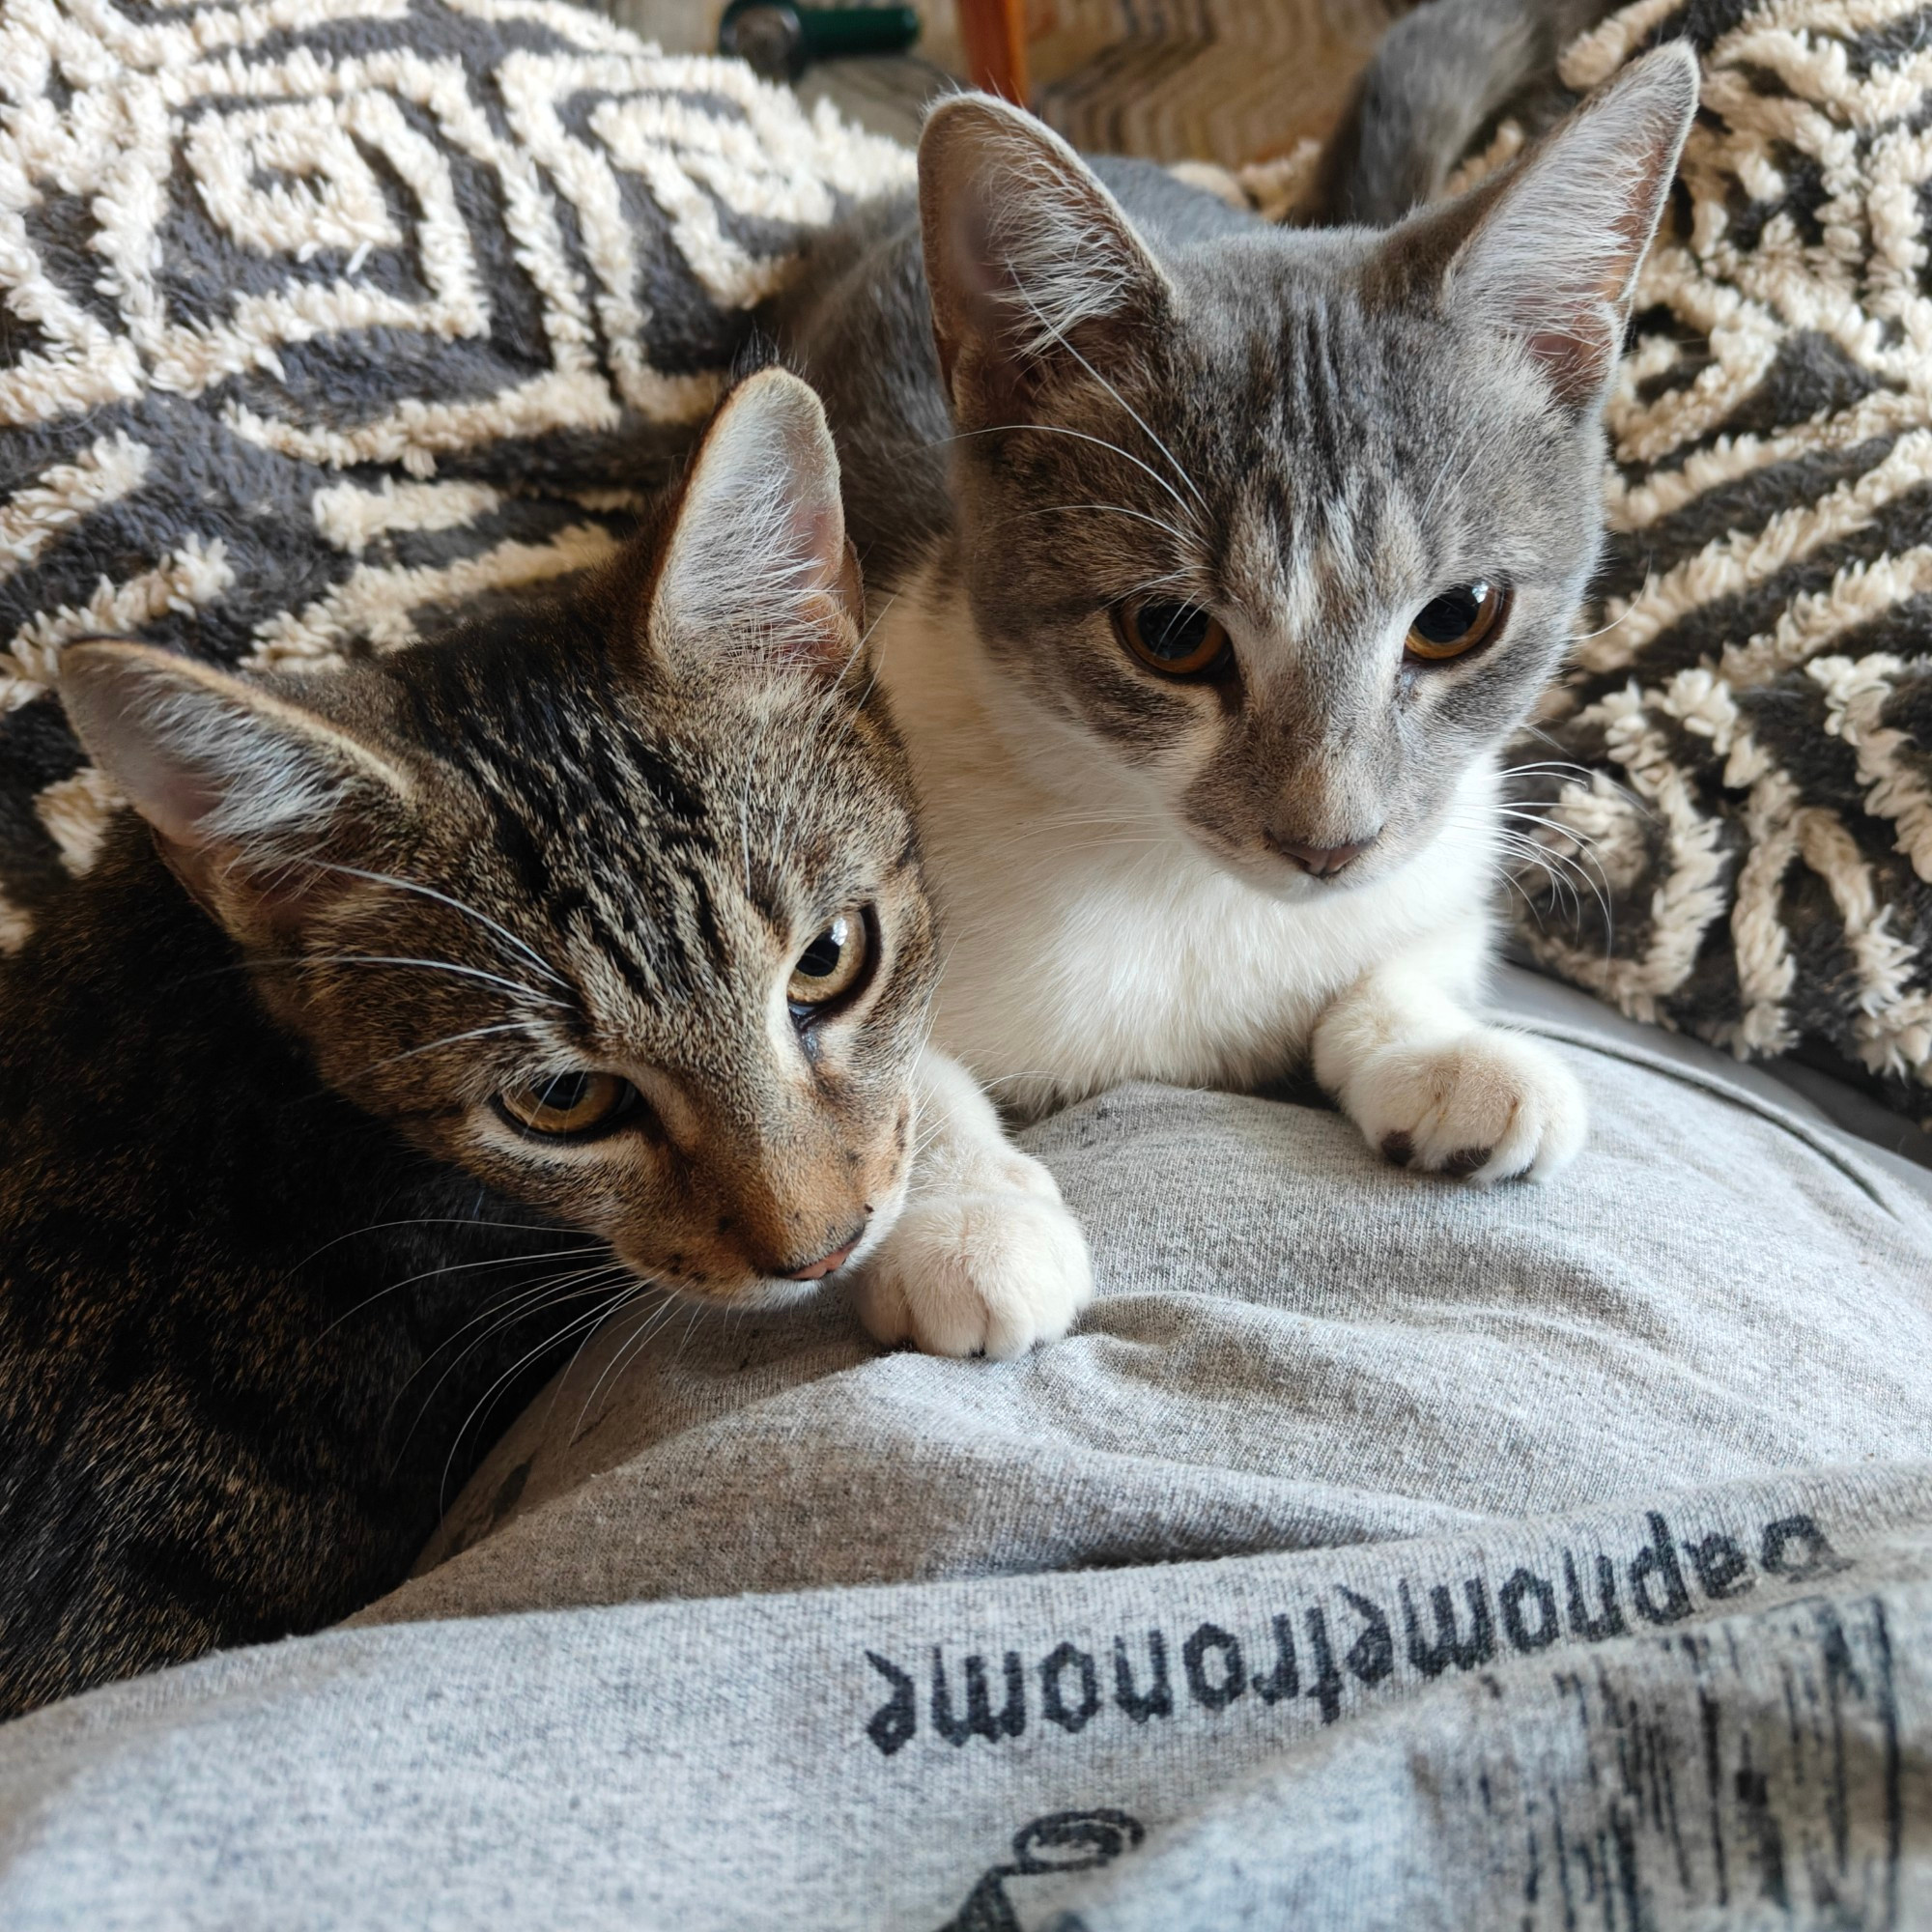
(826, 1265)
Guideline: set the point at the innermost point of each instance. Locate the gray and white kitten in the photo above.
(1221, 562)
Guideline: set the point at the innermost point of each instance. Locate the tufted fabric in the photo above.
(325, 319)
(1748, 854)
(321, 318)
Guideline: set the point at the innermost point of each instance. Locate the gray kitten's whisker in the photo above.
(1562, 865)
(455, 904)
(1058, 335)
(1584, 842)
(1110, 509)
(1598, 781)
(1081, 436)
(1456, 449)
(1547, 765)
(1603, 630)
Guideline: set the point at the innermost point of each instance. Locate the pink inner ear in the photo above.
(1577, 364)
(245, 899)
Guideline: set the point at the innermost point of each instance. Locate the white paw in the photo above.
(970, 1274)
(1488, 1106)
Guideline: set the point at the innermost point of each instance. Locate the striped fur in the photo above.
(277, 1248)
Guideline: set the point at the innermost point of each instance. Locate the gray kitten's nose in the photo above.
(1323, 862)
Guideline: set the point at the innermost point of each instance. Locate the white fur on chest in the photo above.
(1086, 939)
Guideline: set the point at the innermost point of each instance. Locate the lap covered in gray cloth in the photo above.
(1379, 1553)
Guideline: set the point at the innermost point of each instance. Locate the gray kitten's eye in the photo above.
(1176, 640)
(1454, 623)
(832, 965)
(569, 1106)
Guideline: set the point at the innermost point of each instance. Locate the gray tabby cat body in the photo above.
(1222, 560)
(437, 1007)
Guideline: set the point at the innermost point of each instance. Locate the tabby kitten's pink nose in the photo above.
(825, 1264)
(1322, 860)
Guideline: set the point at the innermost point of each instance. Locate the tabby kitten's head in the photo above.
(616, 903)
(1281, 532)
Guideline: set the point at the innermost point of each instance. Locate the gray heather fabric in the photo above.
(1377, 1554)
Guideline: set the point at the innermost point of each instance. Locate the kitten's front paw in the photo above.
(970, 1274)
(1488, 1106)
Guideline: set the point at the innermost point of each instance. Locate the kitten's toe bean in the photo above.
(968, 1274)
(1488, 1106)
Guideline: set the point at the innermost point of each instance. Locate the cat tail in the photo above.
(1440, 76)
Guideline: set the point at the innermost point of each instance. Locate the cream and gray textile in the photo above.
(321, 318)
(1753, 849)
(1377, 1554)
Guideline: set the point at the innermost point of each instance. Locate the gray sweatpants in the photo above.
(1377, 1553)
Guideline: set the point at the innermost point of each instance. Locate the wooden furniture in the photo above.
(994, 33)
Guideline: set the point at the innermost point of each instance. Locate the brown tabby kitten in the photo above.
(435, 1010)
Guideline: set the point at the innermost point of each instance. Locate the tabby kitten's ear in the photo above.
(759, 572)
(240, 789)
(1554, 259)
(1028, 256)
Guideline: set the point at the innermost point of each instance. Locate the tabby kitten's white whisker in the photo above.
(483, 919)
(651, 1316)
(438, 1273)
(446, 1041)
(587, 1321)
(432, 966)
(495, 1320)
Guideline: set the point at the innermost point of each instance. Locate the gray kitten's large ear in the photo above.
(240, 789)
(759, 572)
(1027, 255)
(1553, 261)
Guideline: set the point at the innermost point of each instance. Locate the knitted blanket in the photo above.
(323, 319)
(1748, 854)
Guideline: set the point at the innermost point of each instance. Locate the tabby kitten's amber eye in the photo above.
(569, 1106)
(1176, 640)
(832, 965)
(1454, 624)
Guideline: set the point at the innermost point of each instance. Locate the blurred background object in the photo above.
(1232, 82)
(780, 40)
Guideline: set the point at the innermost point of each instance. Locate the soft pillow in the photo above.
(325, 318)
(320, 319)
(1747, 853)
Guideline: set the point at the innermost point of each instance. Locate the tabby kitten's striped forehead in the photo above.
(1282, 533)
(615, 900)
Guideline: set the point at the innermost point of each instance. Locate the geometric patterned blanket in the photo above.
(1748, 855)
(323, 319)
